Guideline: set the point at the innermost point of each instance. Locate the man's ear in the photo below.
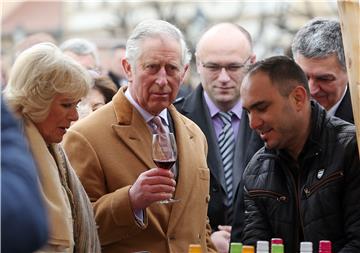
(252, 59)
(127, 68)
(299, 97)
(198, 62)
(183, 75)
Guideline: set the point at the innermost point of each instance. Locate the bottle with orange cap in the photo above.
(194, 248)
(248, 249)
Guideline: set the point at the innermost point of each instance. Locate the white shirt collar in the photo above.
(334, 108)
(146, 115)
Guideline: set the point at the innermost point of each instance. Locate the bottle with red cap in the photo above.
(325, 246)
(277, 245)
(277, 241)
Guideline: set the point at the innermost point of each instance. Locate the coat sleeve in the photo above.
(351, 200)
(255, 224)
(23, 214)
(113, 213)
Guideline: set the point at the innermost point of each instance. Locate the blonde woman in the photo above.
(44, 89)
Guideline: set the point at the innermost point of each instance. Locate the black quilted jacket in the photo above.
(312, 199)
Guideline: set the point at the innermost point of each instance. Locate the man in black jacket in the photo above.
(222, 54)
(318, 49)
(304, 185)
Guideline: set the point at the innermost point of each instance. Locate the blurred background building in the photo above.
(108, 22)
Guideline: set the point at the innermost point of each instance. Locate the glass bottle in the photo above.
(248, 249)
(277, 248)
(325, 246)
(262, 247)
(236, 247)
(306, 247)
(194, 248)
(276, 241)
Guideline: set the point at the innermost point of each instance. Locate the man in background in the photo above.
(222, 55)
(83, 51)
(318, 49)
(116, 71)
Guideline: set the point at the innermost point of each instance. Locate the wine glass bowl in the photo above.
(164, 153)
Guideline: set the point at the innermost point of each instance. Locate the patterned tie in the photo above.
(157, 125)
(227, 145)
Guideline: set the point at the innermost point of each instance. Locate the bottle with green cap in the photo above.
(194, 248)
(236, 247)
(248, 249)
(277, 248)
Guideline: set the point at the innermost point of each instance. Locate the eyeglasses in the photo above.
(231, 68)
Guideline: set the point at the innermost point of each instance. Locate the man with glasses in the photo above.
(222, 54)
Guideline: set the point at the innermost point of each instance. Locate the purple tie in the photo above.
(157, 125)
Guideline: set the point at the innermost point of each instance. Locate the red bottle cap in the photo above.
(276, 241)
(324, 246)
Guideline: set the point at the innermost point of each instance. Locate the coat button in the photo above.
(207, 199)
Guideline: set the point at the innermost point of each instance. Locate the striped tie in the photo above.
(227, 145)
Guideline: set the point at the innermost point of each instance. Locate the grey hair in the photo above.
(38, 74)
(154, 28)
(320, 38)
(80, 46)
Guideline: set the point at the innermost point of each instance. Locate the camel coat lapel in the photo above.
(133, 130)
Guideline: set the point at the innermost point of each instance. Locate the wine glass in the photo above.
(164, 154)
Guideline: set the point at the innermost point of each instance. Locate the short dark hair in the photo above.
(283, 72)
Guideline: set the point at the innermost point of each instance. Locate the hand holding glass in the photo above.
(164, 154)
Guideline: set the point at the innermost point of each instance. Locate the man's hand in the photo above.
(151, 186)
(221, 238)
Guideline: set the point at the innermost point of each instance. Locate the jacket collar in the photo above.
(312, 145)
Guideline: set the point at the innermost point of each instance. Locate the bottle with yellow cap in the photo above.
(194, 248)
(248, 249)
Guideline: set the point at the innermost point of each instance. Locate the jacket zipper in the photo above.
(298, 194)
(258, 193)
(297, 209)
(310, 190)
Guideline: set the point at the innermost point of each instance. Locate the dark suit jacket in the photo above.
(248, 142)
(344, 110)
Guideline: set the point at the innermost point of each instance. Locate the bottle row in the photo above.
(277, 246)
